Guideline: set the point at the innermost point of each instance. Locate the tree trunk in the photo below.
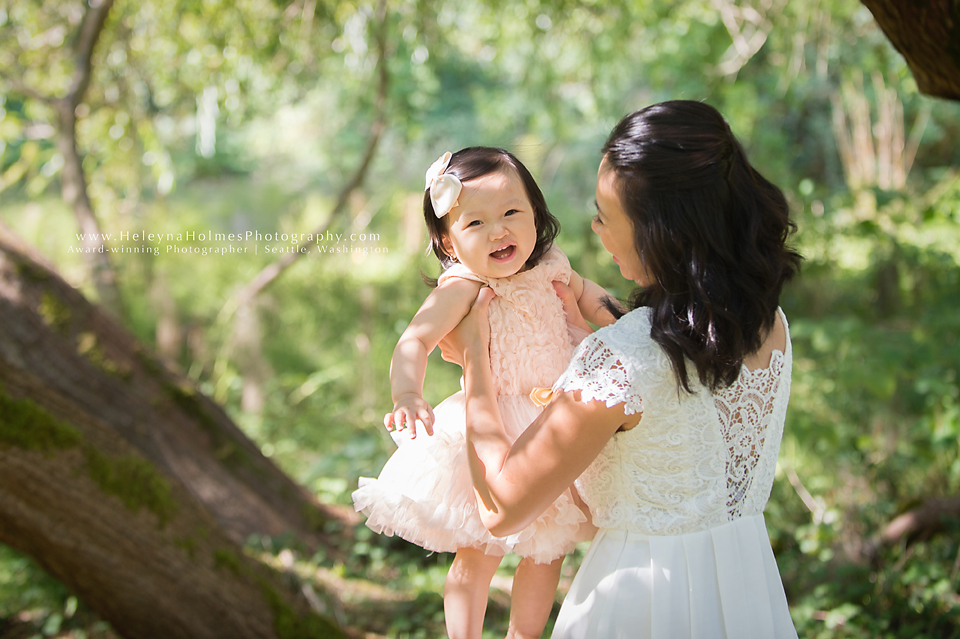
(122, 480)
(73, 186)
(50, 331)
(922, 522)
(73, 180)
(927, 34)
(927, 520)
(127, 539)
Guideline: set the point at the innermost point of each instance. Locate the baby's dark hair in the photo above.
(475, 162)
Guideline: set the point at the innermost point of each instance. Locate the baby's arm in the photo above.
(440, 313)
(590, 297)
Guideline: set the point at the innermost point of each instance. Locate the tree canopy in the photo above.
(253, 170)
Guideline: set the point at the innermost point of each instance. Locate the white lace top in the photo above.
(695, 461)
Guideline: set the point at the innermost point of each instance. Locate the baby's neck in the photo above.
(526, 267)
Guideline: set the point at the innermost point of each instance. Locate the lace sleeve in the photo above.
(600, 373)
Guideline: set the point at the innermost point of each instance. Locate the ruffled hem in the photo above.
(425, 495)
(432, 526)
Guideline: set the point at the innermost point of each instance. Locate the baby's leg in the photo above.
(466, 591)
(534, 591)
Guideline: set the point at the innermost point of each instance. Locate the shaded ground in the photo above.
(386, 589)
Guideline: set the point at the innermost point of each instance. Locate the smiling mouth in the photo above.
(504, 253)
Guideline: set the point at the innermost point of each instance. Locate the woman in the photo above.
(670, 419)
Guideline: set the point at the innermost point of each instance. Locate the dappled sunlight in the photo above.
(212, 142)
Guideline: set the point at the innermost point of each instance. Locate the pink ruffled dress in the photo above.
(424, 493)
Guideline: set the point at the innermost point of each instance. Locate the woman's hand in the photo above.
(472, 335)
(571, 307)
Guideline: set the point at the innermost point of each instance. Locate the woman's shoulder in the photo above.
(615, 363)
(630, 334)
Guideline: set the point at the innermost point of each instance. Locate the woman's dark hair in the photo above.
(709, 229)
(475, 162)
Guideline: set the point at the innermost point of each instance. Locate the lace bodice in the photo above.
(530, 344)
(696, 460)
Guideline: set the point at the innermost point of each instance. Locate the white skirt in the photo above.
(719, 583)
(425, 493)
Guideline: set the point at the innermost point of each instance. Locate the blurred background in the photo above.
(272, 117)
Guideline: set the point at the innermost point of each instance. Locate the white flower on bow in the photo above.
(444, 189)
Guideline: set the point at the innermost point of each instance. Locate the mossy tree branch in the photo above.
(129, 485)
(53, 333)
(129, 540)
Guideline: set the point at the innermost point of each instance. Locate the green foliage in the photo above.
(289, 624)
(912, 594)
(874, 422)
(414, 618)
(34, 605)
(25, 586)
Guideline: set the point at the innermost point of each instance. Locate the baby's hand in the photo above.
(407, 410)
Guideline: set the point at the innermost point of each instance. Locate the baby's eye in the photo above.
(596, 219)
(474, 223)
(511, 212)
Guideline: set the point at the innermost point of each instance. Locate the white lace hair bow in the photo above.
(444, 189)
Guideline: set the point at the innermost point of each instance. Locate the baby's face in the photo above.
(493, 230)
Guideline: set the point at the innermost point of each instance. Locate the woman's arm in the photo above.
(515, 483)
(440, 313)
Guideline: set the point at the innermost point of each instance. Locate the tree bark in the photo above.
(921, 522)
(917, 524)
(927, 34)
(125, 483)
(73, 182)
(71, 348)
(127, 539)
(73, 186)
